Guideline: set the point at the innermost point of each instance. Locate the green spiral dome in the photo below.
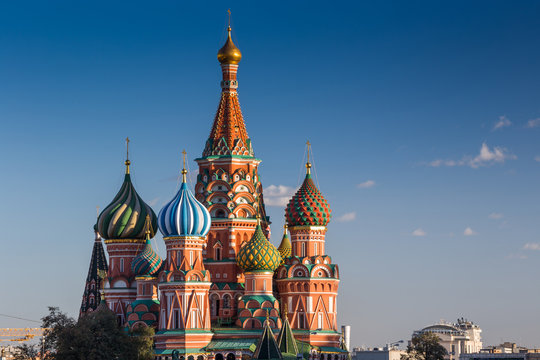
(124, 217)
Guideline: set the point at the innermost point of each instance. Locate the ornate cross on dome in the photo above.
(127, 156)
(308, 164)
(229, 12)
(184, 171)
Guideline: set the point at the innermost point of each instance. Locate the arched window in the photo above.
(301, 320)
(217, 253)
(214, 305)
(220, 213)
(226, 301)
(303, 249)
(230, 356)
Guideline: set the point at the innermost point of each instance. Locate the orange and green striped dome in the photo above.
(258, 254)
(308, 207)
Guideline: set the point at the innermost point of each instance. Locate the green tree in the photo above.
(26, 352)
(95, 336)
(425, 346)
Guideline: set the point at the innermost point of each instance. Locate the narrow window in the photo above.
(194, 319)
(253, 285)
(303, 249)
(122, 265)
(191, 258)
(315, 248)
(319, 320)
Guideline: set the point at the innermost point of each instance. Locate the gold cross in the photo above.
(229, 11)
(127, 148)
(308, 149)
(184, 157)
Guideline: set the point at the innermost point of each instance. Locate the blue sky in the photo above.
(423, 118)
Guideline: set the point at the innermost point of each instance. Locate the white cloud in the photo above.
(496, 216)
(469, 232)
(516, 256)
(486, 157)
(347, 217)
(503, 122)
(366, 184)
(278, 195)
(533, 123)
(537, 158)
(419, 232)
(532, 246)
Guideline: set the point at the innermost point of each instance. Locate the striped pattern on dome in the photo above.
(147, 263)
(258, 254)
(125, 216)
(184, 216)
(308, 207)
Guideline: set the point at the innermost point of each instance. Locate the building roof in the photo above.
(267, 348)
(258, 254)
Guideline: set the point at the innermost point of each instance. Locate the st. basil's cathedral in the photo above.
(224, 291)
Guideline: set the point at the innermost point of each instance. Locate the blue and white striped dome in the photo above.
(184, 216)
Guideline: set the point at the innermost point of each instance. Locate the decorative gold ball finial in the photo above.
(229, 53)
(285, 229)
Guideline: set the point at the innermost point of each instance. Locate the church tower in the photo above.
(229, 185)
(121, 224)
(308, 281)
(184, 283)
(94, 281)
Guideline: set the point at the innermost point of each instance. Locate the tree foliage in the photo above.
(95, 336)
(425, 346)
(26, 352)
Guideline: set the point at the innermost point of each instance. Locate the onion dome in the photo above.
(184, 215)
(148, 262)
(258, 254)
(308, 207)
(229, 53)
(125, 216)
(285, 248)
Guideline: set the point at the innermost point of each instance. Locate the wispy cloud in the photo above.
(469, 232)
(496, 216)
(537, 158)
(277, 195)
(366, 184)
(533, 123)
(516, 256)
(154, 201)
(532, 246)
(486, 157)
(350, 216)
(419, 232)
(503, 122)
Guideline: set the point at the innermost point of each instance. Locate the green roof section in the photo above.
(286, 341)
(267, 348)
(232, 344)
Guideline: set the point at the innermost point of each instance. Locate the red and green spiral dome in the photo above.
(308, 207)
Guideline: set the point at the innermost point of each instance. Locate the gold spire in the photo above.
(127, 156)
(285, 229)
(285, 312)
(308, 164)
(184, 171)
(229, 53)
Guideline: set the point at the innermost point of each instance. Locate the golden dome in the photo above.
(229, 53)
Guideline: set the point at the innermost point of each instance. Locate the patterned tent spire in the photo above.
(229, 135)
(96, 273)
(125, 216)
(286, 341)
(308, 207)
(267, 348)
(258, 254)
